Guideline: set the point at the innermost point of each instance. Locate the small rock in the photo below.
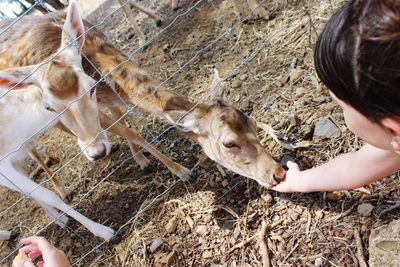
(216, 265)
(320, 99)
(237, 231)
(365, 209)
(189, 221)
(207, 254)
(295, 74)
(319, 262)
(384, 245)
(325, 128)
(267, 199)
(236, 84)
(78, 245)
(237, 98)
(156, 244)
(294, 120)
(334, 196)
(243, 77)
(283, 80)
(166, 47)
(300, 91)
(293, 215)
(266, 105)
(171, 225)
(201, 230)
(225, 183)
(170, 258)
(68, 242)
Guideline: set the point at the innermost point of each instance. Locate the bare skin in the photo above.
(378, 158)
(36, 246)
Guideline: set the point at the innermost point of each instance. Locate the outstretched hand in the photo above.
(292, 177)
(39, 246)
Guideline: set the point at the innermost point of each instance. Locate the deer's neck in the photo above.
(23, 116)
(133, 85)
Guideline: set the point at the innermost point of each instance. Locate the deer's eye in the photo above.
(47, 107)
(231, 145)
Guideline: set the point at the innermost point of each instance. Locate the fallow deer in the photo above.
(36, 95)
(226, 135)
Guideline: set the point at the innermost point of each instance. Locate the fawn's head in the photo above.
(229, 137)
(65, 87)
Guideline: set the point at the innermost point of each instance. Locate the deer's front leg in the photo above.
(258, 10)
(149, 12)
(239, 8)
(139, 34)
(135, 138)
(174, 4)
(58, 186)
(140, 159)
(24, 185)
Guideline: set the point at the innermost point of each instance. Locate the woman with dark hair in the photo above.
(357, 56)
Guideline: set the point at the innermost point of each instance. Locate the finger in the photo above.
(34, 254)
(28, 264)
(292, 165)
(41, 242)
(280, 188)
(29, 248)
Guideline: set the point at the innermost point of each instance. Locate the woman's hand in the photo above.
(292, 178)
(39, 246)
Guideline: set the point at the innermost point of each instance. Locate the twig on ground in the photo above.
(396, 205)
(263, 243)
(242, 244)
(290, 253)
(360, 250)
(342, 215)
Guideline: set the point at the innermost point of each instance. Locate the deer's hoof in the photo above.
(143, 48)
(149, 169)
(13, 235)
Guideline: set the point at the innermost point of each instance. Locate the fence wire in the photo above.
(244, 62)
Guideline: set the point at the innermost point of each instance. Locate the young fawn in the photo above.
(226, 135)
(31, 103)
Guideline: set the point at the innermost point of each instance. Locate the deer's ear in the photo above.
(185, 122)
(17, 78)
(217, 88)
(73, 26)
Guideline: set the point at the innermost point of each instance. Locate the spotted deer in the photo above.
(226, 135)
(34, 96)
(239, 8)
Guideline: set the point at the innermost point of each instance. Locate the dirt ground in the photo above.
(201, 223)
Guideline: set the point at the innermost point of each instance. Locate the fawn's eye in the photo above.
(231, 145)
(47, 107)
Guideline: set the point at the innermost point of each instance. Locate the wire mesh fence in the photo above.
(225, 32)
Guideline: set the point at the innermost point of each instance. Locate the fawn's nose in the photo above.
(101, 153)
(279, 174)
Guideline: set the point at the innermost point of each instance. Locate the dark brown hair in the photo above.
(357, 56)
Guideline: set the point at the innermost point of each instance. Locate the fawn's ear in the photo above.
(186, 122)
(73, 27)
(17, 78)
(217, 88)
